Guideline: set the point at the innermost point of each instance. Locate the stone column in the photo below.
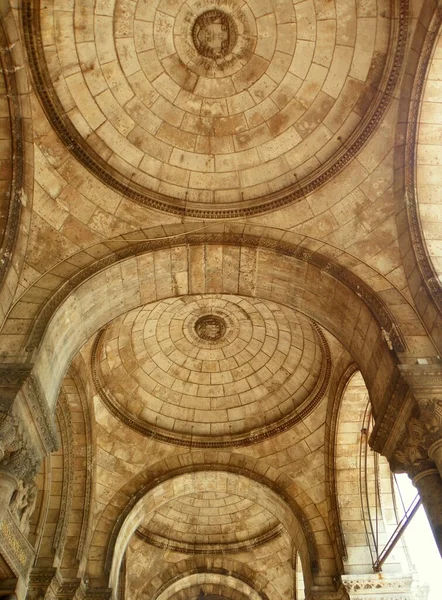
(429, 485)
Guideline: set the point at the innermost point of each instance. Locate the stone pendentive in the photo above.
(211, 370)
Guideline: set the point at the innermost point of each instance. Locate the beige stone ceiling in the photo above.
(207, 521)
(177, 118)
(251, 366)
(208, 354)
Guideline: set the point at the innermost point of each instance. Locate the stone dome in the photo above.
(210, 369)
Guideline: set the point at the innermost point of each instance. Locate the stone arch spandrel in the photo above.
(424, 285)
(279, 273)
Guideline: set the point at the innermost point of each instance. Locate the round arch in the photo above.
(205, 477)
(220, 580)
(424, 285)
(277, 273)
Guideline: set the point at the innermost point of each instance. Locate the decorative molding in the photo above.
(17, 195)
(391, 419)
(19, 457)
(377, 307)
(379, 586)
(425, 378)
(87, 502)
(423, 259)
(111, 178)
(220, 548)
(65, 428)
(331, 457)
(16, 550)
(43, 418)
(14, 375)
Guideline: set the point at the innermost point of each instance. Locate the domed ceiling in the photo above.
(212, 370)
(179, 104)
(210, 522)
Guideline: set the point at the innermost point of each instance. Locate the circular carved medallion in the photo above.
(210, 328)
(214, 34)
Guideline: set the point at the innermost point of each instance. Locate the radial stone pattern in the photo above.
(213, 367)
(185, 101)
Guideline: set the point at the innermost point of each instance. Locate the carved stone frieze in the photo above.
(411, 454)
(431, 416)
(49, 583)
(423, 378)
(16, 377)
(19, 458)
(44, 419)
(379, 586)
(22, 463)
(14, 547)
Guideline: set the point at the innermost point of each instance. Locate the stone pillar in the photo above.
(411, 437)
(429, 485)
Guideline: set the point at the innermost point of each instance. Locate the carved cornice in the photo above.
(216, 548)
(111, 178)
(17, 196)
(423, 259)
(378, 586)
(14, 375)
(43, 418)
(378, 308)
(16, 550)
(254, 437)
(88, 450)
(423, 378)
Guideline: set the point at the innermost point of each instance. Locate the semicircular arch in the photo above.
(269, 270)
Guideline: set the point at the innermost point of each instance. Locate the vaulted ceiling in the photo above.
(214, 220)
